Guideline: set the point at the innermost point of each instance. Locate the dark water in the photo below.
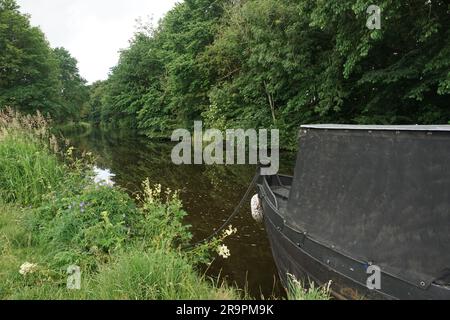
(209, 195)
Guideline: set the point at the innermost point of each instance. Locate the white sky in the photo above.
(92, 30)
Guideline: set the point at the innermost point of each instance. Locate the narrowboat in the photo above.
(364, 196)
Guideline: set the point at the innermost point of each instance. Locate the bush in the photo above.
(83, 227)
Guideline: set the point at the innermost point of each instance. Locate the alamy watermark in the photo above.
(233, 146)
(374, 19)
(374, 279)
(74, 278)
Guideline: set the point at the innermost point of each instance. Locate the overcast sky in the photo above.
(92, 30)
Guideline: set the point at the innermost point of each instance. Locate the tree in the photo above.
(96, 102)
(74, 93)
(399, 74)
(287, 63)
(160, 79)
(283, 63)
(267, 59)
(28, 68)
(130, 81)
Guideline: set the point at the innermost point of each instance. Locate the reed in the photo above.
(300, 291)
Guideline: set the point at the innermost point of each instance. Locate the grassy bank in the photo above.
(53, 216)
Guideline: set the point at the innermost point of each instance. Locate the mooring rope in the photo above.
(232, 216)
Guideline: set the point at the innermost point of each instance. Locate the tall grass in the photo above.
(29, 167)
(52, 215)
(300, 291)
(153, 275)
(27, 172)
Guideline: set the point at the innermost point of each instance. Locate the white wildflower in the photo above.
(27, 268)
(230, 231)
(223, 251)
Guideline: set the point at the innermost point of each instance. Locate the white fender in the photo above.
(257, 210)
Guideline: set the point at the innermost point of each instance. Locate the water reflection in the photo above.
(209, 195)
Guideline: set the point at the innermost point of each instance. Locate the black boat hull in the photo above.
(297, 254)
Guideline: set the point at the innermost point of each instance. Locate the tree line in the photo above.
(280, 64)
(34, 76)
(248, 64)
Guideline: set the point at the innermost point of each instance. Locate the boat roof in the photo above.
(437, 128)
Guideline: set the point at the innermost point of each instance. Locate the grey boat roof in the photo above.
(436, 128)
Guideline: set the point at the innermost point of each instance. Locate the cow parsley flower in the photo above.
(230, 231)
(27, 268)
(223, 251)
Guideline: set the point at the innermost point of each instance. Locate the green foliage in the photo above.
(84, 226)
(28, 69)
(392, 75)
(246, 64)
(315, 61)
(299, 291)
(161, 222)
(33, 76)
(26, 171)
(283, 63)
(160, 82)
(154, 275)
(125, 251)
(96, 101)
(126, 88)
(265, 57)
(74, 93)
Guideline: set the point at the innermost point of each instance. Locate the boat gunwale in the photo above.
(405, 128)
